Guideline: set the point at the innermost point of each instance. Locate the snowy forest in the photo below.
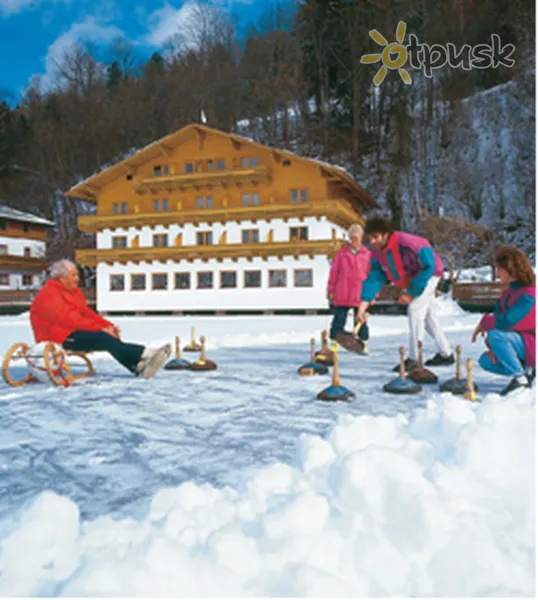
(449, 153)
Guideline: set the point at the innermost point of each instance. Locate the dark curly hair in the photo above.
(516, 264)
(377, 224)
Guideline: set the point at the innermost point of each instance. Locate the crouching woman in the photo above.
(511, 330)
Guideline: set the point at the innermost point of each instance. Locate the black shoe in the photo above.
(409, 364)
(531, 376)
(514, 385)
(440, 361)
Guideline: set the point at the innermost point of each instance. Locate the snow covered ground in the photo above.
(239, 482)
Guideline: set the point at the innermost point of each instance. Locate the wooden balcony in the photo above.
(310, 248)
(22, 263)
(202, 179)
(337, 211)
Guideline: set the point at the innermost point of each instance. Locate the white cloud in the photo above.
(167, 22)
(10, 7)
(88, 30)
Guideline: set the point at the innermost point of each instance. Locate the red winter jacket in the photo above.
(348, 271)
(56, 312)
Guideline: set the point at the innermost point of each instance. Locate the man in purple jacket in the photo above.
(409, 262)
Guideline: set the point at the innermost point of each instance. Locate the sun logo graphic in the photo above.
(394, 56)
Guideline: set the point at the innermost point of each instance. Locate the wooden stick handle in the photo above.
(336, 370)
(324, 342)
(402, 362)
(312, 349)
(458, 363)
(202, 354)
(193, 336)
(470, 383)
(178, 350)
(419, 343)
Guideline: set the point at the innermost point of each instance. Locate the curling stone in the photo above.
(193, 346)
(402, 385)
(456, 385)
(203, 364)
(177, 363)
(313, 367)
(325, 355)
(420, 374)
(336, 391)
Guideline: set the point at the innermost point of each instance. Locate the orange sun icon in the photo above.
(396, 48)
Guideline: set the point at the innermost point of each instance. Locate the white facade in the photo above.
(305, 278)
(20, 278)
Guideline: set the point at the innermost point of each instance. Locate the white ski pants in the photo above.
(421, 315)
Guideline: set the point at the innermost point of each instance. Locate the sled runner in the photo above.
(45, 362)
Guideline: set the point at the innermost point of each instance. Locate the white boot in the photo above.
(153, 359)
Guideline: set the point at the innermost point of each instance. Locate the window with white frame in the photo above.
(250, 236)
(119, 241)
(228, 279)
(298, 234)
(252, 279)
(303, 278)
(205, 280)
(204, 238)
(277, 278)
(138, 282)
(160, 240)
(159, 281)
(182, 281)
(117, 283)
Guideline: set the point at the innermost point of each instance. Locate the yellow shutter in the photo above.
(135, 242)
(179, 239)
(223, 238)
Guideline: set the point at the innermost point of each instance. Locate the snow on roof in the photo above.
(6, 212)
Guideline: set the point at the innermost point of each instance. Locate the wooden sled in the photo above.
(55, 364)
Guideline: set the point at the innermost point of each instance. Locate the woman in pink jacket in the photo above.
(511, 330)
(350, 268)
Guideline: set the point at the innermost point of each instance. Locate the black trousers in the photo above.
(87, 341)
(339, 322)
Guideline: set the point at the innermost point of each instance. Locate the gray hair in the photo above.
(61, 268)
(356, 229)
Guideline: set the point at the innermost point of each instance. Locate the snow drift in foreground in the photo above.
(438, 504)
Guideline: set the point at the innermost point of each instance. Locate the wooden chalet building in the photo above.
(203, 220)
(22, 250)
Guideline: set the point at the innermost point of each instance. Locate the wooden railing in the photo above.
(484, 293)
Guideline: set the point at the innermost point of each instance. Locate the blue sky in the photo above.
(34, 33)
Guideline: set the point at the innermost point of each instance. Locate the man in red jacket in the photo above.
(59, 313)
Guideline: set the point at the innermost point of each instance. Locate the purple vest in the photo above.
(526, 326)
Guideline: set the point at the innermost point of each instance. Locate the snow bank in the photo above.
(438, 504)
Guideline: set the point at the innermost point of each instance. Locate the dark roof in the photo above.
(6, 212)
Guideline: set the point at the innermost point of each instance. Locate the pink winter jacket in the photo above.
(348, 271)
